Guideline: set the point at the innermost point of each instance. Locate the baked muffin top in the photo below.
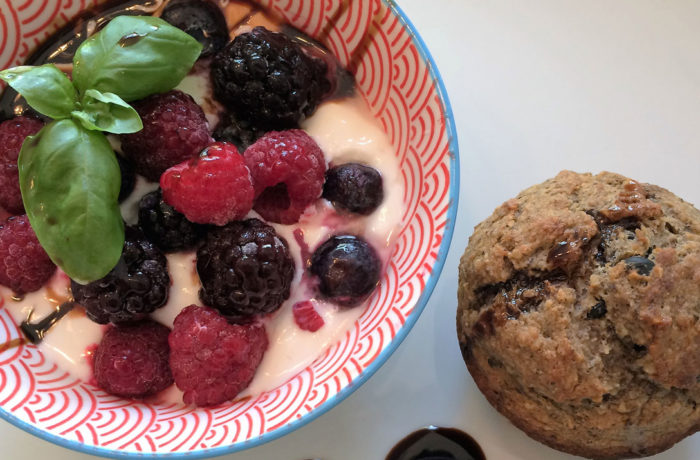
(579, 314)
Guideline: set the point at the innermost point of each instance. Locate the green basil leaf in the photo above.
(107, 112)
(134, 57)
(69, 177)
(48, 90)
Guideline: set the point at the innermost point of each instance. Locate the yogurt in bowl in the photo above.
(399, 125)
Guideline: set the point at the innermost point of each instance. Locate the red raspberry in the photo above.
(212, 361)
(12, 135)
(132, 361)
(306, 316)
(174, 130)
(288, 170)
(24, 265)
(213, 188)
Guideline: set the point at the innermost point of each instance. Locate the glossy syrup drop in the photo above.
(434, 443)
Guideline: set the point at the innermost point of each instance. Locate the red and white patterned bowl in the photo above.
(398, 78)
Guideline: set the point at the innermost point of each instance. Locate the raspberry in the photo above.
(240, 133)
(288, 170)
(306, 316)
(132, 361)
(12, 135)
(24, 265)
(136, 287)
(245, 269)
(214, 188)
(212, 361)
(126, 169)
(165, 227)
(347, 268)
(174, 130)
(267, 79)
(354, 187)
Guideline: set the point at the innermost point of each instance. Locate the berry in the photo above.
(213, 188)
(12, 135)
(212, 361)
(245, 269)
(267, 79)
(174, 130)
(126, 169)
(241, 133)
(24, 265)
(354, 187)
(347, 268)
(136, 287)
(201, 19)
(164, 226)
(306, 316)
(132, 360)
(640, 264)
(288, 171)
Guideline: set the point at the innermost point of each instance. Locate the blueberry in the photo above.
(347, 268)
(202, 19)
(642, 265)
(128, 177)
(354, 187)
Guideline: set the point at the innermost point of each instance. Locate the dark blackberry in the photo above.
(347, 268)
(240, 133)
(201, 19)
(354, 187)
(165, 227)
(245, 269)
(268, 80)
(136, 287)
(128, 177)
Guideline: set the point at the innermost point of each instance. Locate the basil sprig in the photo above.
(68, 172)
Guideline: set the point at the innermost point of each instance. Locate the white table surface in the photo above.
(536, 87)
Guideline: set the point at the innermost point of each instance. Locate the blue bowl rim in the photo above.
(379, 360)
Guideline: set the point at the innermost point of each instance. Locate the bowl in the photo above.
(398, 79)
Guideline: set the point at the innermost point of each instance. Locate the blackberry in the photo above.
(347, 268)
(165, 227)
(136, 287)
(354, 187)
(240, 133)
(201, 19)
(128, 177)
(245, 269)
(266, 78)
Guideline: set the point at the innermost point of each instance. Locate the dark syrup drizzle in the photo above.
(434, 443)
(34, 332)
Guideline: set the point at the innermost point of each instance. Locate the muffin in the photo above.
(579, 314)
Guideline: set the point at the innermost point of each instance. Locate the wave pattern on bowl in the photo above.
(371, 40)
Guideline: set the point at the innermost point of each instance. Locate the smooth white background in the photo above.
(536, 87)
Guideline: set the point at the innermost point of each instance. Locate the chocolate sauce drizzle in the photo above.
(34, 332)
(434, 443)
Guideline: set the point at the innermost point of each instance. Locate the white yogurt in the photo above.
(345, 131)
